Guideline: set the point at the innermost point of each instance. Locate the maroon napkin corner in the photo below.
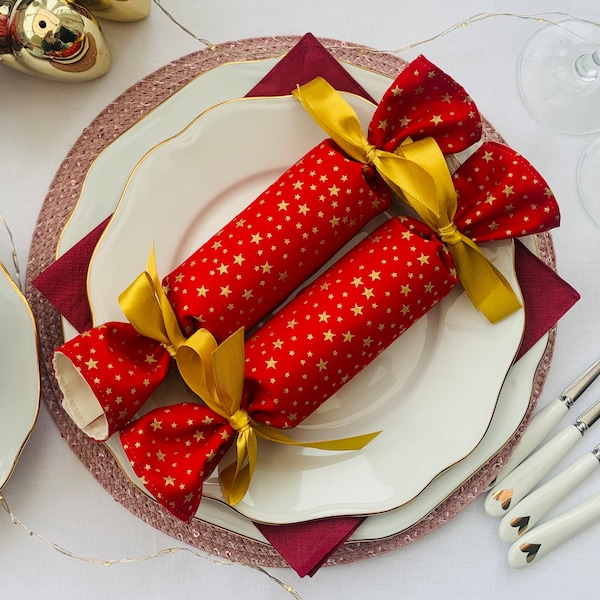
(546, 297)
(306, 546)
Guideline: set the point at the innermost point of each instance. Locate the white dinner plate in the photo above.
(19, 374)
(421, 392)
(99, 197)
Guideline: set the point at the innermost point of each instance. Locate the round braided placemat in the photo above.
(56, 209)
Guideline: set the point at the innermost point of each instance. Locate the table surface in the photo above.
(53, 493)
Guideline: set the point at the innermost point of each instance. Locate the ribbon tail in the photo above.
(235, 478)
(343, 444)
(487, 288)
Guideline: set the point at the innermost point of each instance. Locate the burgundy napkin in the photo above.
(546, 297)
(306, 546)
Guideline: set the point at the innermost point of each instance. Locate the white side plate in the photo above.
(19, 374)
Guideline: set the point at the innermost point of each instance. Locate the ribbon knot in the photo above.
(240, 420)
(449, 234)
(370, 153)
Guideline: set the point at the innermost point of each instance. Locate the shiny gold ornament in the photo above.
(118, 10)
(54, 39)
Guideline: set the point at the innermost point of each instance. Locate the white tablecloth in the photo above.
(39, 122)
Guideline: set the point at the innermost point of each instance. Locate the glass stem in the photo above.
(587, 67)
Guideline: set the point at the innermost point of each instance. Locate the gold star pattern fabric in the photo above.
(279, 241)
(344, 320)
(425, 99)
(507, 197)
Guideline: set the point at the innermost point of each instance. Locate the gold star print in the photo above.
(199, 435)
(397, 91)
(223, 269)
(508, 190)
(357, 281)
(487, 156)
(357, 310)
(437, 119)
(161, 456)
(368, 293)
(328, 336)
(202, 291)
(323, 317)
(303, 209)
(283, 205)
(225, 291)
(238, 259)
(92, 364)
(334, 190)
(256, 238)
(271, 363)
(298, 184)
(247, 294)
(383, 124)
(375, 275)
(348, 336)
(150, 359)
(405, 289)
(156, 424)
(423, 259)
(322, 365)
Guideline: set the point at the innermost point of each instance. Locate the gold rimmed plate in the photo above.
(19, 374)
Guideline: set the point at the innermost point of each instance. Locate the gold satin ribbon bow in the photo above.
(418, 173)
(215, 373)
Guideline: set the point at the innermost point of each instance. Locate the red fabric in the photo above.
(278, 242)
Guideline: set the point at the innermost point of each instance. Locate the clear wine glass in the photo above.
(559, 81)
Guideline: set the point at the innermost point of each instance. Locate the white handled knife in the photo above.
(543, 539)
(518, 483)
(529, 511)
(544, 421)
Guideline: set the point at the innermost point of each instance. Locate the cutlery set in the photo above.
(511, 496)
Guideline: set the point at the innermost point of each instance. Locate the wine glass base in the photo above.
(588, 180)
(548, 82)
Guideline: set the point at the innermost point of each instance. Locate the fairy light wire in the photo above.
(164, 552)
(549, 18)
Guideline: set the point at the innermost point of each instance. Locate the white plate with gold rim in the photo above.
(420, 392)
(100, 195)
(19, 374)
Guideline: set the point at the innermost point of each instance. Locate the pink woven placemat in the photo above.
(56, 209)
